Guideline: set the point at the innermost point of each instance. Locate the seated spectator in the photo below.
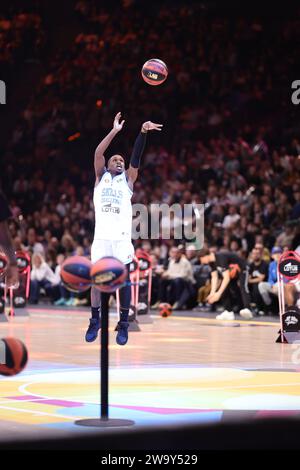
(202, 275)
(33, 245)
(66, 297)
(42, 276)
(203, 293)
(191, 255)
(231, 218)
(265, 252)
(18, 244)
(68, 245)
(234, 284)
(258, 272)
(269, 288)
(295, 213)
(286, 237)
(157, 270)
(176, 284)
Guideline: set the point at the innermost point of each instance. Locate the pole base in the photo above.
(104, 423)
(18, 312)
(288, 337)
(134, 326)
(145, 319)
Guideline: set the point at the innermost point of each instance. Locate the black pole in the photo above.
(104, 360)
(104, 420)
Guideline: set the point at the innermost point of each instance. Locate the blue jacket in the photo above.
(272, 279)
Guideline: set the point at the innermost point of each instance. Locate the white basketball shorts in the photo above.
(120, 249)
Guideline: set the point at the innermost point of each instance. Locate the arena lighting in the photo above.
(74, 137)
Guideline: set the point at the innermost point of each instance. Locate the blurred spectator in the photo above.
(32, 244)
(42, 276)
(258, 272)
(286, 237)
(191, 255)
(233, 290)
(21, 36)
(269, 289)
(66, 297)
(177, 281)
(231, 218)
(228, 143)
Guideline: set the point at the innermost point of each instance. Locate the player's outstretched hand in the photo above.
(117, 124)
(151, 126)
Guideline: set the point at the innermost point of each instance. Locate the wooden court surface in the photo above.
(180, 369)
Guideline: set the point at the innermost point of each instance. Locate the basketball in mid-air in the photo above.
(108, 274)
(154, 72)
(75, 273)
(13, 356)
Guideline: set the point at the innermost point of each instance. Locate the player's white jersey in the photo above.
(113, 209)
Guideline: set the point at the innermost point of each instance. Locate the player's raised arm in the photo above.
(6, 244)
(138, 149)
(99, 160)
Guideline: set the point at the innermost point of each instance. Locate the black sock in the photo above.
(95, 312)
(124, 314)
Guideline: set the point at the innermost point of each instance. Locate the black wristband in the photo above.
(138, 149)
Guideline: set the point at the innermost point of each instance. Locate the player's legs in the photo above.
(125, 299)
(95, 302)
(124, 251)
(99, 249)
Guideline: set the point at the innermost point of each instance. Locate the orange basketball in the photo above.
(75, 273)
(154, 72)
(13, 356)
(108, 274)
(234, 270)
(165, 309)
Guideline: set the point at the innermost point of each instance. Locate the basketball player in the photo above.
(6, 245)
(113, 213)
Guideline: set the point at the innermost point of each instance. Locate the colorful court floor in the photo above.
(49, 396)
(149, 396)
